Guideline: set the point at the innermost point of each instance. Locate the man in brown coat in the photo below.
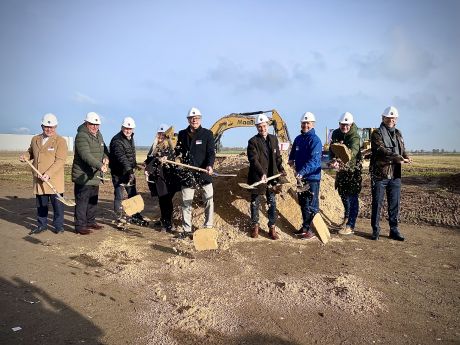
(48, 152)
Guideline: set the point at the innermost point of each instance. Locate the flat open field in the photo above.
(142, 286)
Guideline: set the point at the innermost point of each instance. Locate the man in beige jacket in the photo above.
(48, 152)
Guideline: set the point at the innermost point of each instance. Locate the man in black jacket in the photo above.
(264, 161)
(122, 165)
(195, 146)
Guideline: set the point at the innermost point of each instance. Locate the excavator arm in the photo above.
(235, 120)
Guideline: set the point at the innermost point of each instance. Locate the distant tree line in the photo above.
(433, 151)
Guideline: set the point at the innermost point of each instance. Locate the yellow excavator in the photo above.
(235, 120)
(248, 120)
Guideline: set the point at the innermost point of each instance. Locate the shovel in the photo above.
(254, 185)
(65, 201)
(198, 169)
(101, 177)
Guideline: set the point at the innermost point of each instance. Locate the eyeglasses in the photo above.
(345, 124)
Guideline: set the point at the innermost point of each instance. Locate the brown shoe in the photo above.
(95, 226)
(83, 231)
(272, 233)
(255, 231)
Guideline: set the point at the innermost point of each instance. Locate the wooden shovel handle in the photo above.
(38, 172)
(185, 165)
(268, 179)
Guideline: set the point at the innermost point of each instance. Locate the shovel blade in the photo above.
(67, 202)
(245, 186)
(205, 239)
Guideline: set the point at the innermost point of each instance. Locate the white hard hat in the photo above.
(93, 118)
(163, 128)
(262, 118)
(49, 120)
(128, 122)
(390, 112)
(308, 117)
(346, 119)
(194, 112)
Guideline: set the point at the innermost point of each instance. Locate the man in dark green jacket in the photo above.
(89, 163)
(348, 178)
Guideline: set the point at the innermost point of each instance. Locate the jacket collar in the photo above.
(309, 133)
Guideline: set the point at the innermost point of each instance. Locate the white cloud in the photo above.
(82, 98)
(400, 60)
(21, 130)
(269, 76)
(418, 101)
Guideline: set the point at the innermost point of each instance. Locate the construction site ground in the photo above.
(142, 286)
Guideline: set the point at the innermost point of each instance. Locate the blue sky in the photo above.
(153, 60)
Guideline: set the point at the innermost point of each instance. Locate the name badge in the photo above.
(50, 148)
(199, 142)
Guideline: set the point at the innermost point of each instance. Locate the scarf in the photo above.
(389, 138)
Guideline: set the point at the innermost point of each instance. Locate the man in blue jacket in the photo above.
(195, 146)
(305, 157)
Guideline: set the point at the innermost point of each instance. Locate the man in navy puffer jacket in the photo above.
(305, 156)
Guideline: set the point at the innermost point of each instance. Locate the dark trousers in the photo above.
(351, 206)
(118, 193)
(392, 187)
(42, 202)
(309, 204)
(271, 213)
(86, 198)
(166, 208)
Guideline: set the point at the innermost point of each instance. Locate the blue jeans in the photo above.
(118, 193)
(393, 191)
(271, 213)
(42, 210)
(309, 204)
(351, 207)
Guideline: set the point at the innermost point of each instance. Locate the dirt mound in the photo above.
(196, 307)
(231, 203)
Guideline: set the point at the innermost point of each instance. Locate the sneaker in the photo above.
(59, 231)
(347, 230)
(307, 235)
(184, 235)
(169, 228)
(38, 230)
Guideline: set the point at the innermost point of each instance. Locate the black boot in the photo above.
(396, 235)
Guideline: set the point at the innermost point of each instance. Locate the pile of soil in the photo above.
(232, 204)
